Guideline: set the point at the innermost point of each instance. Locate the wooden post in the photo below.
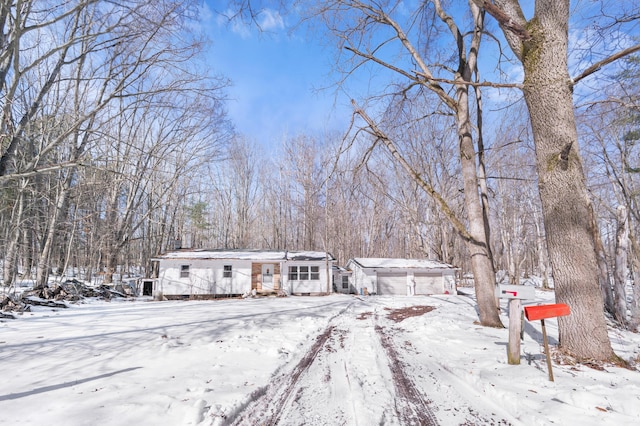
(546, 349)
(515, 325)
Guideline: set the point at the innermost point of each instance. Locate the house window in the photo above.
(226, 272)
(293, 273)
(315, 273)
(184, 271)
(345, 282)
(304, 273)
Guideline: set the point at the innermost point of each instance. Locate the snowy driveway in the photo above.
(361, 371)
(300, 360)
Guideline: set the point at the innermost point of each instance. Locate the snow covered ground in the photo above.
(298, 360)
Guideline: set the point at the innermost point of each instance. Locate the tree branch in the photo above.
(595, 67)
(472, 83)
(430, 190)
(504, 19)
(436, 88)
(34, 172)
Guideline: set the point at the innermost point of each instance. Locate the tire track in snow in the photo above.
(455, 401)
(413, 408)
(266, 405)
(354, 369)
(267, 409)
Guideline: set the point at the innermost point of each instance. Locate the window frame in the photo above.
(227, 271)
(293, 272)
(314, 273)
(184, 271)
(304, 273)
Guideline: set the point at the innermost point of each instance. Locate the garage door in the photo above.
(392, 284)
(429, 284)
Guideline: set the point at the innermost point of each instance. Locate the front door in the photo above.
(267, 276)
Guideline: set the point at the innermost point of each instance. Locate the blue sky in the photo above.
(279, 80)
(283, 83)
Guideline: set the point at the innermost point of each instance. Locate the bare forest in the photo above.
(115, 146)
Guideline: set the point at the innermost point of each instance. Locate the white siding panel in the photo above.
(205, 277)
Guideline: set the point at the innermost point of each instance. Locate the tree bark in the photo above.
(478, 246)
(566, 206)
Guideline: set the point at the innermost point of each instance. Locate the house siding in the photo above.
(297, 286)
(205, 278)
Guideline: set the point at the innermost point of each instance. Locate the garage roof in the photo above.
(379, 262)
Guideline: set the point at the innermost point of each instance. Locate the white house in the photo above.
(211, 273)
(399, 276)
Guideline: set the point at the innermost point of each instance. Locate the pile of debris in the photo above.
(10, 304)
(55, 296)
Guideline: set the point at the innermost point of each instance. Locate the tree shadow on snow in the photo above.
(62, 385)
(211, 328)
(536, 335)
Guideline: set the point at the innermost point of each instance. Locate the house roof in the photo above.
(379, 262)
(246, 254)
(308, 255)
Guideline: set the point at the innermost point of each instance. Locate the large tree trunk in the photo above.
(479, 251)
(566, 206)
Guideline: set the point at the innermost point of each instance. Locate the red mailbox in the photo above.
(541, 312)
(546, 311)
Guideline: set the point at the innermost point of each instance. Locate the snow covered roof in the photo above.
(308, 255)
(379, 262)
(245, 254)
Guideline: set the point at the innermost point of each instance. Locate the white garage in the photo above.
(402, 277)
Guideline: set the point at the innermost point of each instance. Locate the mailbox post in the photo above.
(541, 312)
(514, 293)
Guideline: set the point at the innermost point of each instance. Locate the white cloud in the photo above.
(267, 20)
(270, 20)
(230, 19)
(204, 12)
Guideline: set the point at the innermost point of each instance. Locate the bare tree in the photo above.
(366, 30)
(233, 192)
(10, 264)
(76, 77)
(541, 44)
(430, 145)
(516, 213)
(609, 128)
(303, 167)
(620, 270)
